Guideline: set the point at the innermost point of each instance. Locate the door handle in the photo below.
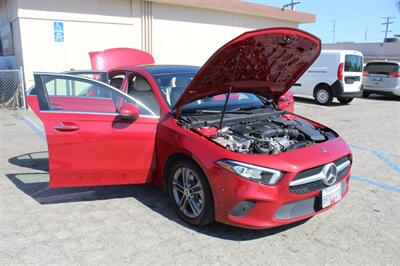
(63, 127)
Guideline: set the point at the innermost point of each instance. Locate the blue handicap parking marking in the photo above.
(376, 183)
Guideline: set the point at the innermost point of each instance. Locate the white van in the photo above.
(336, 73)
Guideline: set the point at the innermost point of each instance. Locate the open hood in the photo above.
(119, 57)
(266, 62)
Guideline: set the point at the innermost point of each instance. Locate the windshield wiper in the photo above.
(250, 107)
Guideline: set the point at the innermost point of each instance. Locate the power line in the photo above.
(387, 23)
(292, 5)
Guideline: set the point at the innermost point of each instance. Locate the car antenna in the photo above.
(229, 91)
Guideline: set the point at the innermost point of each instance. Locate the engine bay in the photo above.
(265, 130)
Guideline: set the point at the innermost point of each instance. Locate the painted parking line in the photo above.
(38, 131)
(383, 157)
(356, 147)
(376, 183)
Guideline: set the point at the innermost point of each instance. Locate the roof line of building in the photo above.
(246, 8)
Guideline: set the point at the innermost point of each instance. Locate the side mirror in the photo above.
(129, 111)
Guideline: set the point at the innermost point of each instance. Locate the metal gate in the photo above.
(12, 91)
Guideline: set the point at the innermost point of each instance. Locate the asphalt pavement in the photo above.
(136, 224)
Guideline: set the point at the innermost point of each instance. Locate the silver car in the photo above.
(381, 77)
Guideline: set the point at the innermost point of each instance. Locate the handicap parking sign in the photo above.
(58, 31)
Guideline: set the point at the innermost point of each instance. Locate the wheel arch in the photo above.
(175, 157)
(319, 85)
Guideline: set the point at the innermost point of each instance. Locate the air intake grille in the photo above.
(317, 185)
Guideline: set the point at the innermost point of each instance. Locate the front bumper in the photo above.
(271, 206)
(383, 91)
(261, 206)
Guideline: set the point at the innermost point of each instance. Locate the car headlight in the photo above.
(251, 172)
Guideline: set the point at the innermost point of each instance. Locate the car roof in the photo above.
(383, 61)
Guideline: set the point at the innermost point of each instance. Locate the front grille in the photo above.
(318, 184)
(303, 207)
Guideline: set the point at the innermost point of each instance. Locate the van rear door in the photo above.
(352, 74)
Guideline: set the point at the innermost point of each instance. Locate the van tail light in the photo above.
(340, 71)
(365, 73)
(394, 75)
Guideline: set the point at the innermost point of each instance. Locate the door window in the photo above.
(353, 63)
(76, 94)
(140, 89)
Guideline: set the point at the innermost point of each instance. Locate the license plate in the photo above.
(331, 195)
(376, 78)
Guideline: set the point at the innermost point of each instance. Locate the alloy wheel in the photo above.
(188, 192)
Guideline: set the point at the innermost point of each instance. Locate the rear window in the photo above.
(381, 68)
(353, 63)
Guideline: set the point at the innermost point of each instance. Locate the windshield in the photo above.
(353, 63)
(173, 85)
(382, 68)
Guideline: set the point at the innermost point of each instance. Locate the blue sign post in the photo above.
(58, 31)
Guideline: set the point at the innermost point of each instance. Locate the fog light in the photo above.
(242, 208)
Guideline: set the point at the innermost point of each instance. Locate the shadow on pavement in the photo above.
(36, 186)
(377, 97)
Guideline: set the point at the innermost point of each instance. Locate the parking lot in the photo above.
(137, 224)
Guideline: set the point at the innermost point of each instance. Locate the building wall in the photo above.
(371, 51)
(8, 12)
(183, 35)
(179, 35)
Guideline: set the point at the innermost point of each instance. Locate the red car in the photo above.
(213, 138)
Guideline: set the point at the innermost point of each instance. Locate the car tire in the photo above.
(345, 100)
(193, 199)
(323, 95)
(365, 94)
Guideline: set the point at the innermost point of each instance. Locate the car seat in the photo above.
(140, 89)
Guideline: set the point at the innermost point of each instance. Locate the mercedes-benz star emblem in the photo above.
(330, 174)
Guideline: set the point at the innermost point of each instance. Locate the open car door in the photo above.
(89, 141)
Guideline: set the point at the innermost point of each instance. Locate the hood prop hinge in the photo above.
(229, 91)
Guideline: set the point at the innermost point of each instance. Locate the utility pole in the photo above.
(387, 23)
(334, 31)
(366, 34)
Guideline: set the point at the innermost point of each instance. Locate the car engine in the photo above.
(266, 132)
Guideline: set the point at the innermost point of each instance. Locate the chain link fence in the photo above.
(12, 91)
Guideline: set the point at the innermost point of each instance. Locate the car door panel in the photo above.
(89, 144)
(102, 151)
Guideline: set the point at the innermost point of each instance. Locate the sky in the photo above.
(353, 18)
